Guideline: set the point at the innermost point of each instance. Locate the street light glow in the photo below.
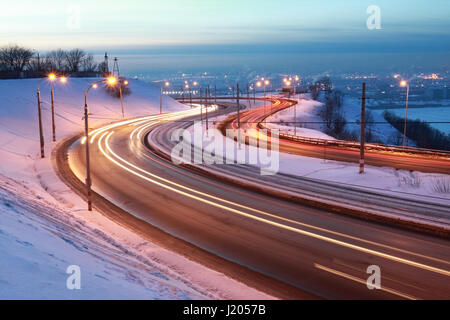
(125, 82)
(112, 80)
(403, 83)
(267, 82)
(63, 79)
(52, 76)
(167, 83)
(94, 86)
(258, 84)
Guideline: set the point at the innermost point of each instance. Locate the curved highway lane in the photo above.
(323, 254)
(252, 118)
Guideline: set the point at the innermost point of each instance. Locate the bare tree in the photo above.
(15, 58)
(74, 58)
(57, 59)
(88, 63)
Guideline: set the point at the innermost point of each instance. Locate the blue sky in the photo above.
(251, 34)
(145, 24)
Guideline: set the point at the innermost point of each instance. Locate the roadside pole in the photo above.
(160, 101)
(363, 127)
(206, 105)
(248, 97)
(53, 115)
(295, 119)
(41, 134)
(239, 115)
(121, 100)
(201, 106)
(88, 165)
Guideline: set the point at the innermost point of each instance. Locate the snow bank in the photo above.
(308, 122)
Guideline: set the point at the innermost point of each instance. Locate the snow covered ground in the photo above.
(381, 130)
(44, 227)
(308, 122)
(437, 115)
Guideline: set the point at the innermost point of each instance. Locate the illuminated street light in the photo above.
(51, 78)
(110, 81)
(404, 84)
(166, 84)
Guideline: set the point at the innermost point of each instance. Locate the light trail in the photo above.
(350, 277)
(263, 220)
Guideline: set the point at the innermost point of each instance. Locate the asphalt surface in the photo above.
(323, 254)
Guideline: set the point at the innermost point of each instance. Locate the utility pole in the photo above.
(121, 100)
(215, 93)
(41, 134)
(206, 105)
(239, 116)
(53, 115)
(363, 127)
(248, 97)
(160, 101)
(201, 105)
(88, 165)
(406, 115)
(295, 119)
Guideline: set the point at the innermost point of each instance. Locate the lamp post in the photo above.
(258, 84)
(266, 83)
(110, 81)
(405, 83)
(51, 77)
(121, 97)
(166, 84)
(41, 134)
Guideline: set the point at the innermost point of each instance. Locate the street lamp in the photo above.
(405, 83)
(166, 84)
(112, 81)
(109, 81)
(51, 77)
(266, 83)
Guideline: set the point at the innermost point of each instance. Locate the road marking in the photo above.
(279, 225)
(362, 281)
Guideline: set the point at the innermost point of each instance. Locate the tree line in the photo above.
(14, 58)
(419, 131)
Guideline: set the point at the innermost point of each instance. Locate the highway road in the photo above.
(319, 253)
(251, 119)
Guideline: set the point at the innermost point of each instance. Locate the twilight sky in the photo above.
(227, 26)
